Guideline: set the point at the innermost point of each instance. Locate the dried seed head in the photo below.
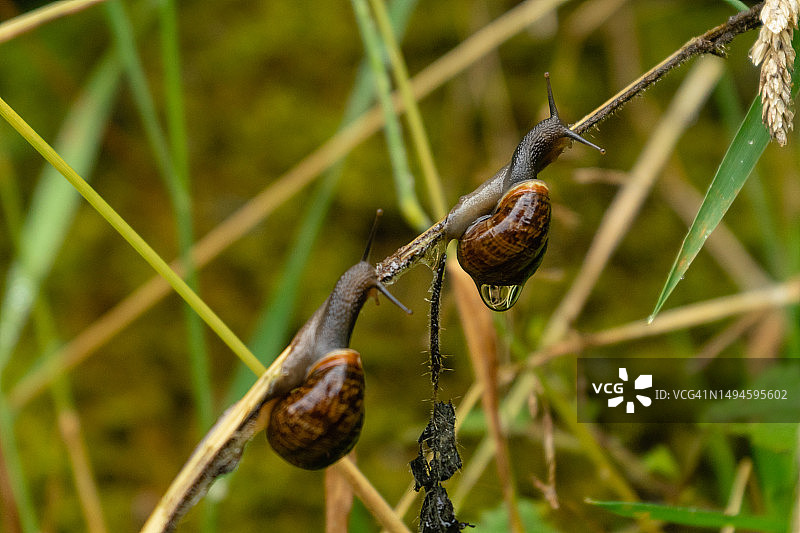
(773, 51)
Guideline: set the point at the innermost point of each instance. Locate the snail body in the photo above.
(319, 401)
(503, 226)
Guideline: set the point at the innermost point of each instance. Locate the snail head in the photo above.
(542, 145)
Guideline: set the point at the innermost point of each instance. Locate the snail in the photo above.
(319, 420)
(501, 242)
(310, 400)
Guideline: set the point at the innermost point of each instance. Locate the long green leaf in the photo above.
(272, 330)
(687, 516)
(41, 236)
(739, 161)
(54, 203)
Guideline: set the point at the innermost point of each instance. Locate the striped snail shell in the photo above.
(507, 247)
(502, 241)
(320, 421)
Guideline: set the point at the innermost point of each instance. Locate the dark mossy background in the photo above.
(266, 83)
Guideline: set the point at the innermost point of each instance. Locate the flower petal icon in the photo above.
(645, 381)
(613, 402)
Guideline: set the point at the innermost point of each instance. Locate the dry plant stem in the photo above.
(69, 426)
(338, 501)
(623, 209)
(614, 225)
(33, 19)
(370, 497)
(548, 488)
(477, 325)
(8, 507)
(218, 453)
(711, 42)
(737, 491)
(278, 192)
(689, 316)
(758, 300)
(730, 334)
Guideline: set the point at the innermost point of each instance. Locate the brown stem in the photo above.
(713, 41)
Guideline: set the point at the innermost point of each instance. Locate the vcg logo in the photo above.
(644, 381)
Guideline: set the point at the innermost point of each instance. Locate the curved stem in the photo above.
(711, 42)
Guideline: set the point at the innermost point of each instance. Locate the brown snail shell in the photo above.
(319, 422)
(506, 247)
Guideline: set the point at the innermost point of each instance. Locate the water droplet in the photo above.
(500, 297)
(433, 255)
(750, 142)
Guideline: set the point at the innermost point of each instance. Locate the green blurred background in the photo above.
(265, 84)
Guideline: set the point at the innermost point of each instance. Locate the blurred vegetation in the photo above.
(264, 85)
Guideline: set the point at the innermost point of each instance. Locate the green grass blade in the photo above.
(173, 165)
(40, 238)
(178, 183)
(17, 480)
(272, 330)
(740, 159)
(134, 239)
(126, 47)
(403, 179)
(182, 205)
(54, 202)
(687, 516)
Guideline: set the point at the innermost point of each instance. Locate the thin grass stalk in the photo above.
(14, 470)
(273, 325)
(31, 20)
(174, 172)
(125, 42)
(736, 495)
(275, 194)
(181, 199)
(67, 416)
(69, 425)
(371, 497)
(182, 206)
(416, 126)
(482, 344)
(9, 451)
(133, 238)
(403, 178)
